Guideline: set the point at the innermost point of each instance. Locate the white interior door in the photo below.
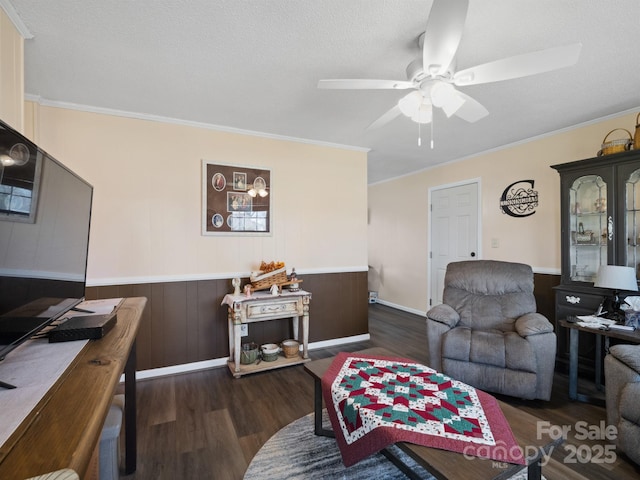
(454, 231)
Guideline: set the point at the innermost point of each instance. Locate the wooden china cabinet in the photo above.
(600, 225)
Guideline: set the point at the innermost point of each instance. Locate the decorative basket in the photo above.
(636, 137)
(290, 348)
(616, 146)
(265, 280)
(249, 353)
(270, 352)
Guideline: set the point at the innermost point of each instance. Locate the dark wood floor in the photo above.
(208, 425)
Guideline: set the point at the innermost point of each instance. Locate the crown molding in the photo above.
(542, 136)
(187, 123)
(15, 19)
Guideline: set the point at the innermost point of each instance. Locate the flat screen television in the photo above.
(45, 216)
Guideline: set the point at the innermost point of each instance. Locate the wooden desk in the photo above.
(260, 307)
(574, 333)
(64, 429)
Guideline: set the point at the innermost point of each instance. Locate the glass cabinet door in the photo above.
(632, 219)
(588, 227)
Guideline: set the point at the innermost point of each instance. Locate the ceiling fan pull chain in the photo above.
(432, 134)
(419, 136)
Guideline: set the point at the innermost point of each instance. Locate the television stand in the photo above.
(80, 402)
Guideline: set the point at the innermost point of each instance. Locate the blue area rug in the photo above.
(295, 453)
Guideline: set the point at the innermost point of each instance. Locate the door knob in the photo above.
(473, 254)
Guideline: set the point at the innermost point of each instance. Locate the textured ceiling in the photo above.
(254, 65)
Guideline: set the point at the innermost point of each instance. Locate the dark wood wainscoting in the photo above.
(546, 303)
(545, 295)
(184, 321)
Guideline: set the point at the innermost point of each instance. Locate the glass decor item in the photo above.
(587, 227)
(632, 220)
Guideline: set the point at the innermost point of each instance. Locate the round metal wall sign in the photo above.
(519, 199)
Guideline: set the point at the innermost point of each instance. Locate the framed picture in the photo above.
(236, 200)
(239, 202)
(240, 181)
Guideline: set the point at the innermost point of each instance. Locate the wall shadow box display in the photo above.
(236, 200)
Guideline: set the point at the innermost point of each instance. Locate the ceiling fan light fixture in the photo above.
(424, 114)
(254, 192)
(434, 75)
(445, 96)
(410, 103)
(440, 93)
(18, 155)
(6, 160)
(453, 104)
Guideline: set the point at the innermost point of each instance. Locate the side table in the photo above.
(606, 335)
(260, 307)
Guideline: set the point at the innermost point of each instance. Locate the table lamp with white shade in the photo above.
(616, 278)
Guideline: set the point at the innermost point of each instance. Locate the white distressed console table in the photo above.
(260, 307)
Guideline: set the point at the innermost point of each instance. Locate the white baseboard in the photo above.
(401, 307)
(182, 368)
(339, 341)
(220, 362)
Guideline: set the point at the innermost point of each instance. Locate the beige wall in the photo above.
(11, 73)
(399, 237)
(146, 222)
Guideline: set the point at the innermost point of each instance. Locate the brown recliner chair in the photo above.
(487, 332)
(622, 377)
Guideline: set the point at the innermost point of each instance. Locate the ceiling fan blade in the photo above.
(443, 34)
(471, 110)
(364, 84)
(520, 65)
(389, 115)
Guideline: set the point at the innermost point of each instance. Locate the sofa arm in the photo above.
(627, 354)
(533, 324)
(445, 314)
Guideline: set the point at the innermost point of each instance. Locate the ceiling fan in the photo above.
(433, 78)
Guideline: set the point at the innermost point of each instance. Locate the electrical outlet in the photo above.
(244, 330)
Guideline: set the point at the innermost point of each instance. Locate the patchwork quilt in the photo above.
(374, 402)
